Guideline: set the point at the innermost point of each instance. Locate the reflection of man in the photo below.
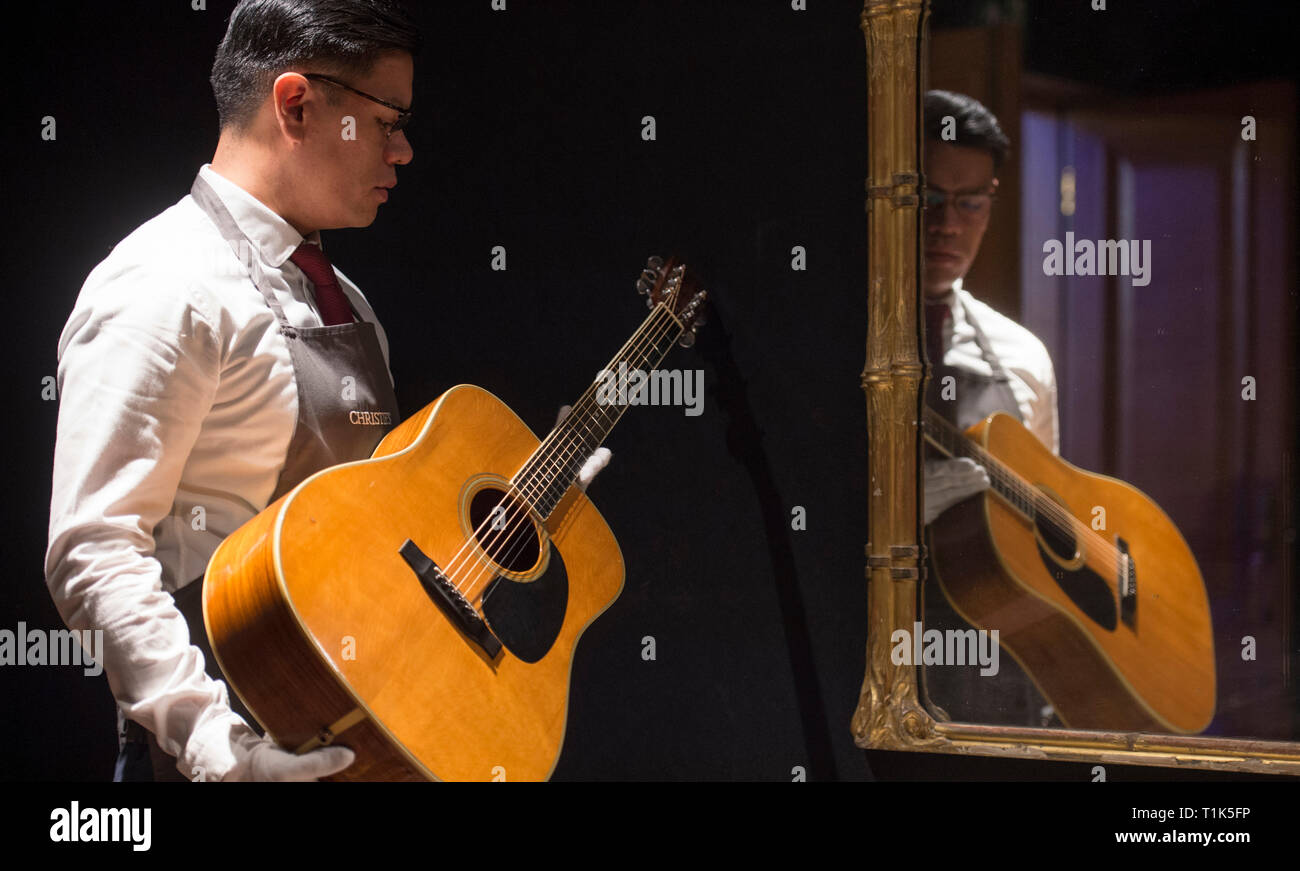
(983, 363)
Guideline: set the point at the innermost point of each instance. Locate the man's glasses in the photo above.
(403, 115)
(968, 205)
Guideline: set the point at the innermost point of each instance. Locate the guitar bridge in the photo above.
(449, 599)
(1128, 585)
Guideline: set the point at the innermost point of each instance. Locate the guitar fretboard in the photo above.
(554, 466)
(1022, 495)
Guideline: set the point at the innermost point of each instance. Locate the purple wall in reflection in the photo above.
(1150, 378)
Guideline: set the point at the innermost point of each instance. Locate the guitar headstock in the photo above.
(672, 284)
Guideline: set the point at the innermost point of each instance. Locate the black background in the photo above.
(527, 135)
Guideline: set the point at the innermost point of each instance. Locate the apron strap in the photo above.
(986, 347)
(208, 200)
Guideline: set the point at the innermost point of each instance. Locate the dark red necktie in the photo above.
(936, 314)
(330, 300)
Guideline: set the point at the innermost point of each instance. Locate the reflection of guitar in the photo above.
(1091, 586)
(422, 606)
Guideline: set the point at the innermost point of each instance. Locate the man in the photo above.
(994, 365)
(216, 359)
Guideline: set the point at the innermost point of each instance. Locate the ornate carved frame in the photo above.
(890, 715)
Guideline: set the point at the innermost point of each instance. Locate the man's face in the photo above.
(953, 231)
(342, 166)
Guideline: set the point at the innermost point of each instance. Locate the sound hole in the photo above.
(504, 530)
(1059, 541)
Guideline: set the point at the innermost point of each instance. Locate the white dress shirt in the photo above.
(1022, 354)
(177, 404)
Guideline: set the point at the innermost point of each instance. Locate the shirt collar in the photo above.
(957, 301)
(273, 236)
(949, 299)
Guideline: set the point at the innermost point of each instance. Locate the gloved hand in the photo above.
(263, 759)
(948, 482)
(597, 461)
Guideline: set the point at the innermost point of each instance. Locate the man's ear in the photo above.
(287, 94)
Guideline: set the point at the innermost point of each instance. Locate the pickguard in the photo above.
(527, 617)
(1086, 589)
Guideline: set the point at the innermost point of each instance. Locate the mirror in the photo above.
(1129, 305)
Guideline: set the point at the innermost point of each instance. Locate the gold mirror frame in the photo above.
(890, 715)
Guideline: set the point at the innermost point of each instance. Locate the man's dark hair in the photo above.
(975, 125)
(265, 38)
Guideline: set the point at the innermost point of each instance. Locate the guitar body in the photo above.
(327, 634)
(1142, 665)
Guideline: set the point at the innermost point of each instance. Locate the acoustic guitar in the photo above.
(422, 606)
(1092, 588)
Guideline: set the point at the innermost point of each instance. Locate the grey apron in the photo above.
(1009, 697)
(329, 364)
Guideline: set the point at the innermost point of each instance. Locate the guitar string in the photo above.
(1056, 516)
(521, 517)
(521, 500)
(573, 449)
(1010, 480)
(957, 444)
(1063, 521)
(1053, 513)
(654, 333)
(1107, 559)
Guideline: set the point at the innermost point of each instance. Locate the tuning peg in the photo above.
(643, 286)
(687, 339)
(655, 263)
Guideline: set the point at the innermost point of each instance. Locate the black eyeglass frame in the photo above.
(936, 199)
(403, 114)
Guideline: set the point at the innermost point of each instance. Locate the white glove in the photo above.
(948, 482)
(263, 759)
(597, 461)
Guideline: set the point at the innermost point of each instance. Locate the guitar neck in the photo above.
(554, 466)
(1015, 490)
